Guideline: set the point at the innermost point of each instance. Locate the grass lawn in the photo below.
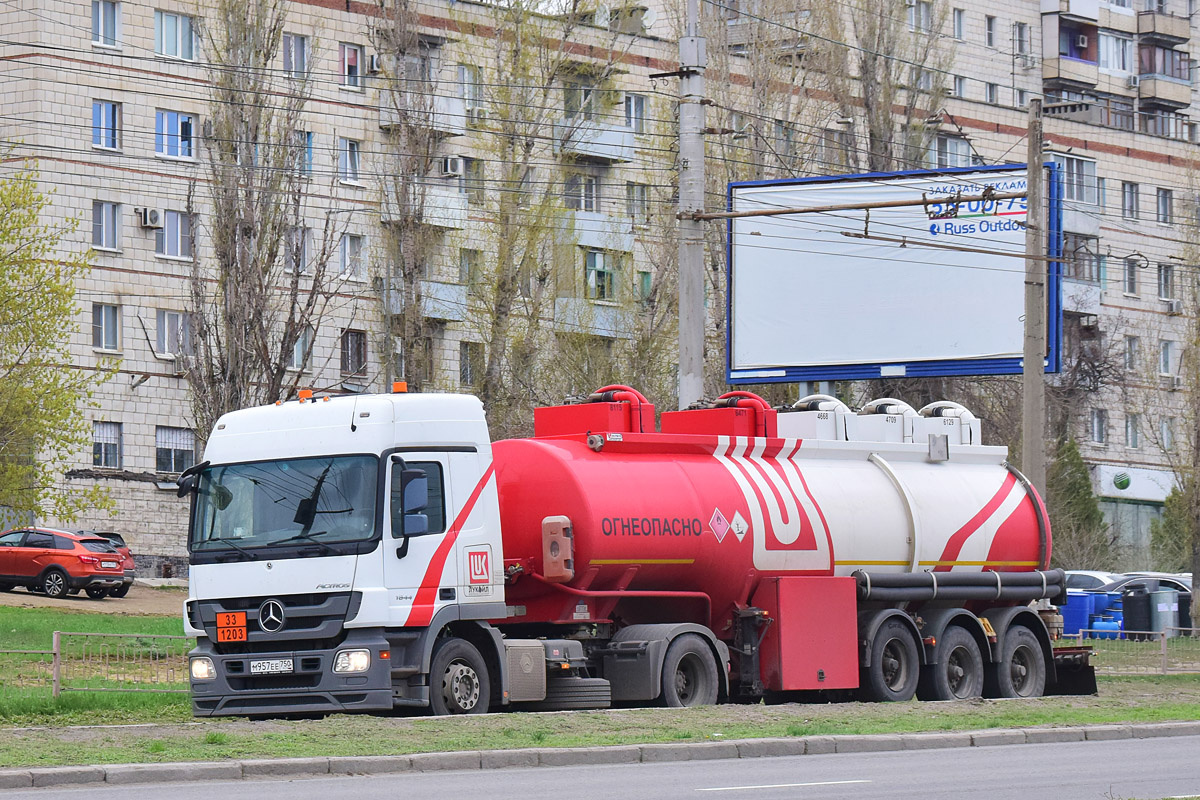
(33, 628)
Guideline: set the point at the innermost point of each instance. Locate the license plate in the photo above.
(271, 666)
(108, 564)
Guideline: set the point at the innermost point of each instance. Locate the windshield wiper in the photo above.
(310, 537)
(237, 547)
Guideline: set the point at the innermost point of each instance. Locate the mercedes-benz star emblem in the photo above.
(271, 616)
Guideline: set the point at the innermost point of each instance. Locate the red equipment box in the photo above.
(813, 642)
(718, 422)
(592, 418)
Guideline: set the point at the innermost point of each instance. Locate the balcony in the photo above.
(602, 232)
(578, 315)
(1073, 70)
(446, 115)
(1080, 297)
(1088, 10)
(591, 140)
(1163, 90)
(441, 301)
(1166, 28)
(437, 203)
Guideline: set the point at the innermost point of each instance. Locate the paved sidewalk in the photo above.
(562, 757)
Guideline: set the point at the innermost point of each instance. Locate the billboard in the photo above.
(935, 288)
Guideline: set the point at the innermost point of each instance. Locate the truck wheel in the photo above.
(1021, 671)
(895, 667)
(97, 592)
(458, 679)
(958, 671)
(54, 583)
(689, 676)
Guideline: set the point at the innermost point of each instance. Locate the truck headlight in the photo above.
(352, 661)
(203, 669)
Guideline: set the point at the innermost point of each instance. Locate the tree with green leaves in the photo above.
(42, 424)
(1082, 539)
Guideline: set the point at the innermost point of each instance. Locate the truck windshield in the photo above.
(298, 502)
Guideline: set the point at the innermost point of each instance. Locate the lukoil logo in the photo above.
(477, 566)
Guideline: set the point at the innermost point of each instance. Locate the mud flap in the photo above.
(1074, 671)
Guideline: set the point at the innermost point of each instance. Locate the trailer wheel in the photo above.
(1021, 671)
(689, 676)
(958, 671)
(458, 679)
(895, 666)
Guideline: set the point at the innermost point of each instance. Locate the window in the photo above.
(106, 444)
(303, 142)
(1132, 359)
(785, 139)
(296, 256)
(295, 55)
(1098, 426)
(354, 352)
(1081, 259)
(471, 86)
(106, 23)
(106, 225)
(637, 202)
(989, 31)
(173, 134)
(635, 112)
(105, 326)
(350, 60)
(1021, 38)
(1132, 425)
(106, 125)
(579, 100)
(1165, 202)
(836, 145)
(348, 160)
(174, 35)
(1166, 433)
(644, 286)
(920, 79)
(469, 262)
(960, 86)
(951, 151)
(175, 448)
(599, 270)
(1129, 282)
(1129, 200)
(960, 23)
(1166, 352)
(351, 256)
(1166, 62)
(991, 93)
(1079, 179)
(470, 362)
(174, 333)
(302, 349)
(920, 16)
(1166, 281)
(473, 180)
(174, 238)
(583, 193)
(1116, 52)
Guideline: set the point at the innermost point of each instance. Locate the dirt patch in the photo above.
(141, 600)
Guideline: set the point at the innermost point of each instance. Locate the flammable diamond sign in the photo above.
(935, 288)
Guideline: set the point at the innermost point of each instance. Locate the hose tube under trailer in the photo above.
(898, 587)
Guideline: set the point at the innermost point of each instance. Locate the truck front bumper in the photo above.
(311, 687)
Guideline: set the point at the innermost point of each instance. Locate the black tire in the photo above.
(458, 679)
(96, 592)
(54, 583)
(957, 671)
(895, 666)
(689, 673)
(568, 694)
(1021, 671)
(120, 591)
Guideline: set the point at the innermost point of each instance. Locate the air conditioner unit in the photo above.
(149, 217)
(373, 65)
(452, 167)
(1081, 40)
(1174, 307)
(1133, 81)
(475, 114)
(1028, 62)
(1089, 322)
(910, 3)
(1171, 383)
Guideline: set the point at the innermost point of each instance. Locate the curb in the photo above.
(125, 774)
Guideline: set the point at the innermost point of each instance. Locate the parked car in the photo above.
(1089, 579)
(59, 562)
(117, 541)
(1151, 581)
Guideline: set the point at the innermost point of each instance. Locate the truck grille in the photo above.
(316, 619)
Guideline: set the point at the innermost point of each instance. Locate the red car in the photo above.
(118, 542)
(59, 562)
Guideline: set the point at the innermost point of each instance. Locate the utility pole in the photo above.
(1033, 395)
(692, 60)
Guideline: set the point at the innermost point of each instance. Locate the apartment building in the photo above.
(111, 100)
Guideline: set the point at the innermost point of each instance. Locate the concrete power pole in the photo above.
(1033, 400)
(692, 60)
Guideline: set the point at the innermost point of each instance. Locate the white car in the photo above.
(1090, 579)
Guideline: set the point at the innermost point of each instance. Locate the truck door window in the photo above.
(436, 508)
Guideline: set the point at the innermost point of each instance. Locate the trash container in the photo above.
(1135, 604)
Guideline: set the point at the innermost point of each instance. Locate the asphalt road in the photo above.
(1132, 768)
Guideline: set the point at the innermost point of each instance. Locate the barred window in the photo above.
(176, 448)
(106, 444)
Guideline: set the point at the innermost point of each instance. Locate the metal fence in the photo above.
(100, 662)
(1165, 652)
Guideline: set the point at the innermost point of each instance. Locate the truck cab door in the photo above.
(417, 566)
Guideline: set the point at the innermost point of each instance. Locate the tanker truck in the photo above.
(375, 552)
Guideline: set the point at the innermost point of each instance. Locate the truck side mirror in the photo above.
(415, 490)
(414, 497)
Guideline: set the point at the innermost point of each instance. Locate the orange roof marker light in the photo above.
(304, 394)
(399, 387)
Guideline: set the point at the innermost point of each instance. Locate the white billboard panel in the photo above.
(847, 294)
